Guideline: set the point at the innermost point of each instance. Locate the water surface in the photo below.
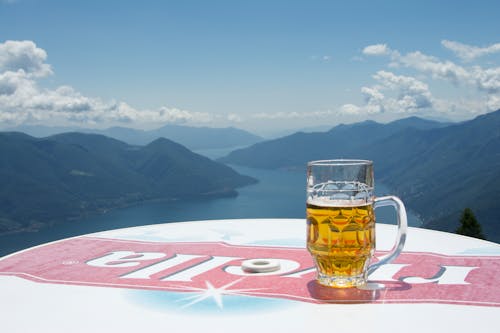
(279, 194)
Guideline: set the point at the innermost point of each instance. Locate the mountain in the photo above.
(440, 172)
(194, 138)
(207, 137)
(437, 169)
(66, 176)
(341, 141)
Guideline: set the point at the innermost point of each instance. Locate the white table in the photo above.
(186, 277)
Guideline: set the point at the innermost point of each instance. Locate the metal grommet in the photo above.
(260, 265)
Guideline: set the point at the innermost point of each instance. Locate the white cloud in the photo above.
(446, 70)
(415, 94)
(323, 58)
(419, 61)
(374, 100)
(233, 117)
(392, 94)
(12, 82)
(376, 49)
(294, 114)
(487, 80)
(23, 56)
(406, 85)
(483, 79)
(412, 94)
(493, 102)
(470, 52)
(276, 115)
(350, 109)
(22, 63)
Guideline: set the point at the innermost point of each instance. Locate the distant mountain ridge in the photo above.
(341, 141)
(68, 175)
(437, 169)
(194, 138)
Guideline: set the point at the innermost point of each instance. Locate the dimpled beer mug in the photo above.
(341, 221)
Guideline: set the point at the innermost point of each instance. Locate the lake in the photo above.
(279, 194)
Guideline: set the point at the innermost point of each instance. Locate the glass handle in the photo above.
(402, 228)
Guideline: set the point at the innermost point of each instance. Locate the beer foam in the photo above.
(327, 202)
(340, 194)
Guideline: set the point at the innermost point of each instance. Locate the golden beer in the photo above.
(341, 240)
(341, 221)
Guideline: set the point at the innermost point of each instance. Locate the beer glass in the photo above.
(341, 221)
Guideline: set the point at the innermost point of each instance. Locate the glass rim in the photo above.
(339, 162)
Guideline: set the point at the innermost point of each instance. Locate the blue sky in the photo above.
(258, 65)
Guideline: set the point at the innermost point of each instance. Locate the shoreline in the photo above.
(39, 225)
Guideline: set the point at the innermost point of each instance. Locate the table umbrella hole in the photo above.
(260, 265)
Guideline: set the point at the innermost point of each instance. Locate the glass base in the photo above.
(342, 281)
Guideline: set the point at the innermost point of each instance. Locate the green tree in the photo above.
(469, 226)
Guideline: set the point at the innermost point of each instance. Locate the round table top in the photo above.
(187, 277)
